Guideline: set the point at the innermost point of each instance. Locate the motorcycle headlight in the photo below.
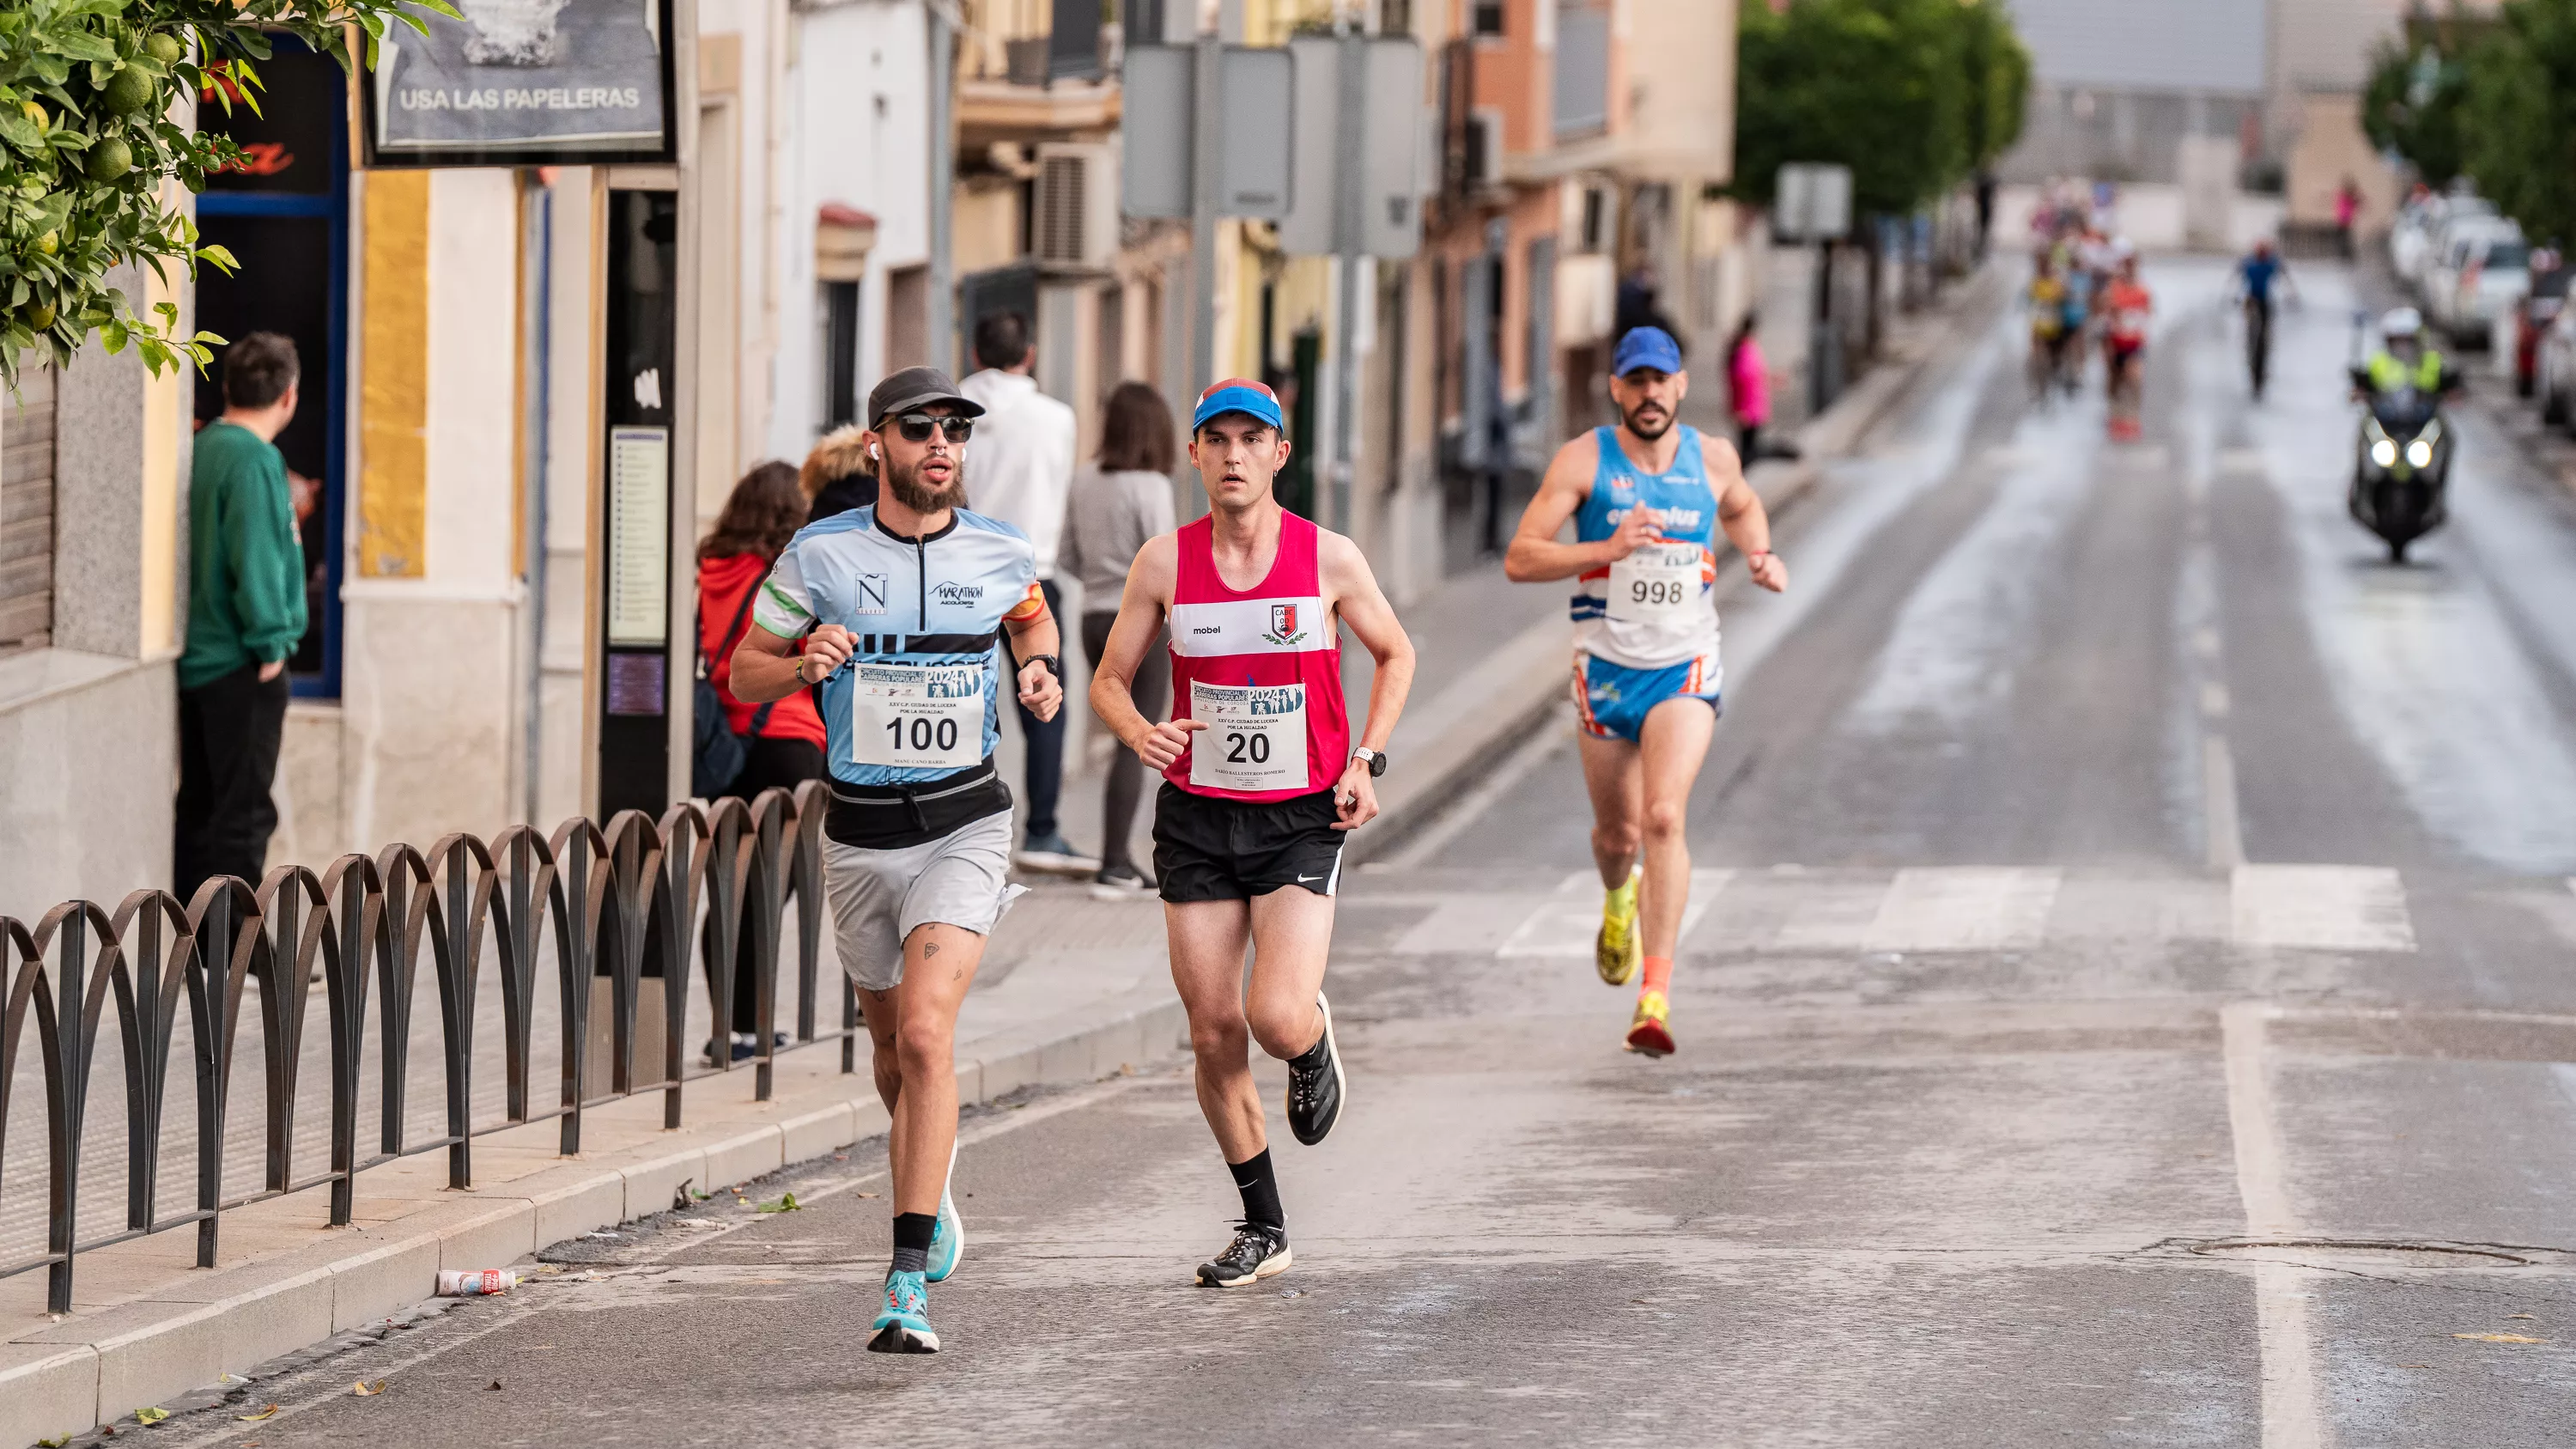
(2384, 453)
(2420, 453)
(2432, 433)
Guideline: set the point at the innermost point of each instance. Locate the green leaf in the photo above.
(149, 1417)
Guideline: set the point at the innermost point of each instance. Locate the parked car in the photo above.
(2482, 268)
(2533, 313)
(2414, 239)
(2554, 370)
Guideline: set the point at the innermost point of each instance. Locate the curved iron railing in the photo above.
(623, 902)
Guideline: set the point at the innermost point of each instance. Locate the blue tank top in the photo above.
(1656, 607)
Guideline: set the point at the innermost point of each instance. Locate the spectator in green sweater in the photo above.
(245, 614)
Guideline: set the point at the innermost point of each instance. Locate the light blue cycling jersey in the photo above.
(920, 698)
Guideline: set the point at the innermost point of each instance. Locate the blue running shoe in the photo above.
(903, 1326)
(947, 1239)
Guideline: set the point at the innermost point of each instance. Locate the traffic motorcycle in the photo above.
(2402, 466)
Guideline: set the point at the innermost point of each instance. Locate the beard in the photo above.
(912, 493)
(1649, 431)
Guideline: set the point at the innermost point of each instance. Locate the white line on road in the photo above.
(2225, 833)
(2321, 907)
(1565, 925)
(2292, 1418)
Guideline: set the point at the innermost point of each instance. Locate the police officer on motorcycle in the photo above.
(2403, 360)
(2401, 473)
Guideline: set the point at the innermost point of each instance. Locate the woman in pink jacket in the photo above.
(1748, 386)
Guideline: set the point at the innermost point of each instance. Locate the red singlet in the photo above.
(1263, 667)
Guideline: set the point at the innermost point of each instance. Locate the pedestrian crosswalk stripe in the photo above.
(1971, 909)
(1566, 924)
(2328, 907)
(1951, 909)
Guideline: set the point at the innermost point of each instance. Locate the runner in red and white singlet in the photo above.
(1262, 669)
(1261, 783)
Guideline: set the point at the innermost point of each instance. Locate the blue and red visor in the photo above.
(1239, 395)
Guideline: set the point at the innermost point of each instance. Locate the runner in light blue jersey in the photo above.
(899, 612)
(1647, 499)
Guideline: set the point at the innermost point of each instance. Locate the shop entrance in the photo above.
(284, 216)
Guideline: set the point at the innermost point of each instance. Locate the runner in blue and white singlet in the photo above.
(1645, 626)
(1648, 500)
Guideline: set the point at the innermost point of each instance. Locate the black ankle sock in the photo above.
(912, 1241)
(1260, 1190)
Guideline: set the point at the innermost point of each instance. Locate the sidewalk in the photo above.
(1072, 990)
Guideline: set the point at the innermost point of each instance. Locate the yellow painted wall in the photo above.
(393, 376)
(166, 400)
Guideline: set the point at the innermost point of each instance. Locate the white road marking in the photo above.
(1970, 908)
(2292, 1418)
(1967, 908)
(1566, 923)
(2321, 907)
(2221, 827)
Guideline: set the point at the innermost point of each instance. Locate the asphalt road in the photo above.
(2126, 1002)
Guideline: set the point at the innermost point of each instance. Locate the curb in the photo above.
(97, 1367)
(1512, 692)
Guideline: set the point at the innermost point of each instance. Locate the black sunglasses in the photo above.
(916, 427)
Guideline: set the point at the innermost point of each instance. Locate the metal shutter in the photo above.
(27, 511)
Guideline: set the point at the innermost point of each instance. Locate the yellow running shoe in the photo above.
(1648, 1030)
(1614, 951)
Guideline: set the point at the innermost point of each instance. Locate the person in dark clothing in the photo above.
(785, 744)
(246, 611)
(1638, 303)
(837, 476)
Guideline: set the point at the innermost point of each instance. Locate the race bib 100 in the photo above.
(1255, 737)
(917, 716)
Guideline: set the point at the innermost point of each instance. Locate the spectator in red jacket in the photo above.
(784, 740)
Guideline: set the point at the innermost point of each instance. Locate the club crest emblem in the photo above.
(1283, 625)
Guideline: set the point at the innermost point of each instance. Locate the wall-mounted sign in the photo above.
(524, 82)
(639, 537)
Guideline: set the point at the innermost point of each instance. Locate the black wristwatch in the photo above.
(1376, 760)
(1054, 665)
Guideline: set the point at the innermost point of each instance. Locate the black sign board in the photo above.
(525, 83)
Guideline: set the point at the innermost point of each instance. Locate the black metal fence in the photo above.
(623, 903)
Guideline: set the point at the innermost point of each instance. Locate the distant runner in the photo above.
(1261, 784)
(2125, 307)
(1647, 498)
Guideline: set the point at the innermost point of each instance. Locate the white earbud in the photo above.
(872, 450)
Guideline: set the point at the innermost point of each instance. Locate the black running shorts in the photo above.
(1207, 849)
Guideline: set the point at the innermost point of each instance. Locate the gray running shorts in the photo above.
(879, 896)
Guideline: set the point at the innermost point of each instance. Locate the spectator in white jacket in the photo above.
(1020, 471)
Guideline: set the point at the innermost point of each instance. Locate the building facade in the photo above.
(472, 361)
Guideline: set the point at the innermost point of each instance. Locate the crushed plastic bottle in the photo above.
(475, 1282)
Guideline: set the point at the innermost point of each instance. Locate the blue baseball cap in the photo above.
(1239, 395)
(1646, 347)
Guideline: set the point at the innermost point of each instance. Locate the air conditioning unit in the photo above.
(1484, 159)
(1077, 204)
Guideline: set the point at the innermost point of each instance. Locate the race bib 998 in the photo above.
(1659, 581)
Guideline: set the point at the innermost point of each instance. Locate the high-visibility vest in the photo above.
(2387, 374)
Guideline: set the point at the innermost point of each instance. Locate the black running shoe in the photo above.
(1315, 1083)
(1258, 1250)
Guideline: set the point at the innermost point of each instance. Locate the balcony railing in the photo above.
(615, 905)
